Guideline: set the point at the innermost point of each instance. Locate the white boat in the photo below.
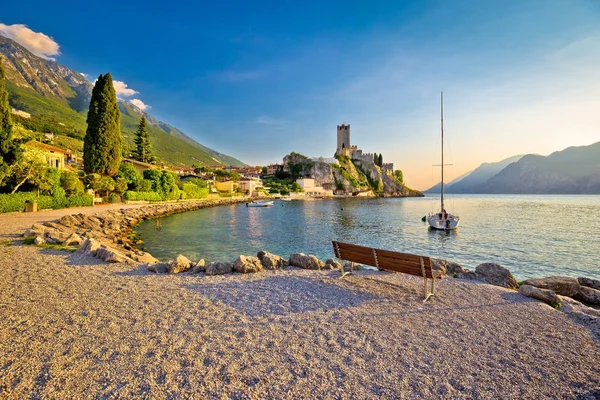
(260, 203)
(443, 220)
(286, 199)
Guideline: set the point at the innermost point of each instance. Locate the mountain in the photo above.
(57, 98)
(575, 170)
(470, 181)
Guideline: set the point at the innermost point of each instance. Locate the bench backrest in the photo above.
(383, 259)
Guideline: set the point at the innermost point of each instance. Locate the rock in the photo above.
(39, 240)
(143, 257)
(89, 247)
(352, 266)
(199, 267)
(453, 268)
(563, 285)
(69, 220)
(593, 283)
(73, 240)
(158, 268)
(247, 265)
(438, 265)
(272, 261)
(545, 295)
(588, 295)
(332, 264)
(305, 261)
(111, 255)
(180, 264)
(261, 254)
(219, 268)
(496, 275)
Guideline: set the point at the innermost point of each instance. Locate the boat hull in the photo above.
(443, 224)
(259, 204)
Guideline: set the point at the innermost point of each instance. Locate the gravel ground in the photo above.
(76, 327)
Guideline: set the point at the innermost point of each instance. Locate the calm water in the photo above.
(533, 235)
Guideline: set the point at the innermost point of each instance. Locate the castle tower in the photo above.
(343, 138)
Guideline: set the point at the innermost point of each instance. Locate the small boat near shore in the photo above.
(266, 203)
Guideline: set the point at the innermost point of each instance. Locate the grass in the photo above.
(29, 240)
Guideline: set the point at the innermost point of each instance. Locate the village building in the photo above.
(54, 156)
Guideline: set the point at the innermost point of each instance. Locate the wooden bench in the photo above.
(389, 261)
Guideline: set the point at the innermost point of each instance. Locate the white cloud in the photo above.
(266, 120)
(122, 89)
(139, 104)
(36, 42)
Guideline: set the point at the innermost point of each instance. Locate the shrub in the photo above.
(16, 201)
(133, 178)
(192, 191)
(59, 198)
(80, 200)
(142, 196)
(70, 183)
(120, 185)
(145, 185)
(114, 198)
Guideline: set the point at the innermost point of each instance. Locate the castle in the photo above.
(344, 147)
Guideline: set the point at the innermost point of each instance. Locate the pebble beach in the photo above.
(74, 326)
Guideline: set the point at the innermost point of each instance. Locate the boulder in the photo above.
(261, 254)
(180, 264)
(332, 264)
(39, 240)
(219, 268)
(73, 240)
(593, 283)
(438, 265)
(305, 261)
(588, 295)
(143, 257)
(199, 267)
(247, 265)
(111, 255)
(36, 229)
(545, 295)
(89, 247)
(562, 285)
(158, 268)
(69, 220)
(272, 261)
(496, 275)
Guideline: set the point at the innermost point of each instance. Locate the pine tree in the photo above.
(10, 151)
(142, 151)
(380, 160)
(103, 142)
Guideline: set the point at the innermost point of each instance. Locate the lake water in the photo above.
(532, 235)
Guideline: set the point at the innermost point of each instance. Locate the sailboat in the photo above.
(443, 220)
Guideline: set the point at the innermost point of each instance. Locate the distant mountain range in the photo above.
(575, 170)
(57, 98)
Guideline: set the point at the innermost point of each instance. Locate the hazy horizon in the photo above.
(258, 81)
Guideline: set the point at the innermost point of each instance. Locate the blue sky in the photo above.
(258, 80)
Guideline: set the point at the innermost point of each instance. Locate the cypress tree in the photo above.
(380, 160)
(142, 151)
(103, 142)
(10, 151)
(375, 159)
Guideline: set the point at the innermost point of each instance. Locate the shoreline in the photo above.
(118, 330)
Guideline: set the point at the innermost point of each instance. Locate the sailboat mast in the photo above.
(442, 122)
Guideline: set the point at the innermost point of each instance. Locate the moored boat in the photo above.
(265, 203)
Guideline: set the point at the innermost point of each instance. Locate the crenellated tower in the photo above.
(343, 138)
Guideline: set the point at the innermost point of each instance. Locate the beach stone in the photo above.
(199, 267)
(219, 268)
(158, 268)
(89, 247)
(332, 264)
(39, 240)
(497, 275)
(180, 264)
(593, 283)
(110, 255)
(261, 254)
(143, 257)
(73, 240)
(588, 295)
(247, 265)
(305, 261)
(563, 285)
(438, 265)
(545, 295)
(272, 261)
(69, 220)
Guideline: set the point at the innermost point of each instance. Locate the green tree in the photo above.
(380, 160)
(120, 185)
(399, 176)
(375, 159)
(142, 151)
(31, 167)
(10, 150)
(106, 184)
(264, 170)
(71, 183)
(131, 175)
(103, 142)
